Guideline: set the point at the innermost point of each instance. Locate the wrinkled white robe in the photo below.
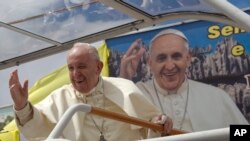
(208, 107)
(121, 96)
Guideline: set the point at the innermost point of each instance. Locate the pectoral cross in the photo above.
(102, 137)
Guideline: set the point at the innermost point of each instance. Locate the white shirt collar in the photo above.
(180, 90)
(98, 89)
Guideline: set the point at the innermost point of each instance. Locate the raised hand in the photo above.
(131, 59)
(18, 92)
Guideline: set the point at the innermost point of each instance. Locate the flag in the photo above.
(103, 51)
(9, 135)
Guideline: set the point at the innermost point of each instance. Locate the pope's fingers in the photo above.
(134, 46)
(168, 126)
(162, 119)
(128, 59)
(11, 82)
(13, 78)
(16, 77)
(12, 86)
(159, 119)
(124, 56)
(25, 86)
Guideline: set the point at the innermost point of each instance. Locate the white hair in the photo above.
(92, 50)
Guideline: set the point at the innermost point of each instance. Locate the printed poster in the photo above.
(220, 57)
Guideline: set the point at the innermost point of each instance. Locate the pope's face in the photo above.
(168, 61)
(84, 69)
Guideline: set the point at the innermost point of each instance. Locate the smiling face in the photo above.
(169, 59)
(84, 67)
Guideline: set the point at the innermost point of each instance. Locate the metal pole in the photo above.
(237, 15)
(56, 132)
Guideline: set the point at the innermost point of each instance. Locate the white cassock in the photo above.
(113, 94)
(207, 107)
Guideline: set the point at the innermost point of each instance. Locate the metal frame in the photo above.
(143, 20)
(57, 131)
(237, 15)
(209, 135)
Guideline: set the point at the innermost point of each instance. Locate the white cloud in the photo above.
(59, 27)
(19, 9)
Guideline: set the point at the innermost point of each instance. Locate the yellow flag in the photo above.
(103, 51)
(49, 83)
(9, 136)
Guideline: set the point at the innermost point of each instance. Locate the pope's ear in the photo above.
(99, 66)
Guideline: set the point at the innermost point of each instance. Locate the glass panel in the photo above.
(13, 44)
(17, 10)
(157, 7)
(240, 3)
(63, 20)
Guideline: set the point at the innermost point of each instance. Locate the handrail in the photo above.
(132, 120)
(231, 11)
(56, 132)
(221, 134)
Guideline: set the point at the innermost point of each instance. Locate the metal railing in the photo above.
(176, 135)
(209, 135)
